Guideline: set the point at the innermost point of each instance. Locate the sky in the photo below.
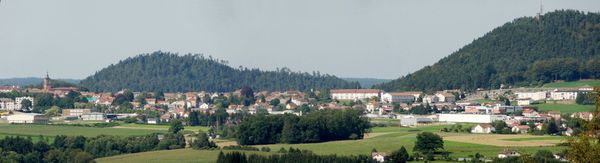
(347, 38)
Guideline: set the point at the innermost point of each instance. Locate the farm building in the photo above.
(94, 116)
(27, 118)
(410, 120)
(470, 118)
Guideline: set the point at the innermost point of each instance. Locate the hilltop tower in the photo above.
(47, 86)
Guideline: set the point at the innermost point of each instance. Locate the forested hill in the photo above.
(560, 45)
(167, 72)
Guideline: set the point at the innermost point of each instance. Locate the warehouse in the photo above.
(27, 118)
(471, 118)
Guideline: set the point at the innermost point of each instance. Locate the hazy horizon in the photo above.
(351, 39)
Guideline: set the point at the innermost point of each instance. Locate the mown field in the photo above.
(53, 130)
(159, 127)
(385, 139)
(565, 108)
(573, 84)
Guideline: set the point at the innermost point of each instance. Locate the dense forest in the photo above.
(529, 51)
(168, 72)
(318, 126)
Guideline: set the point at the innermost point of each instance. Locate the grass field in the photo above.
(573, 84)
(384, 139)
(565, 108)
(538, 138)
(160, 127)
(51, 130)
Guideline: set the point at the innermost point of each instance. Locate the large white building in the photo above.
(27, 118)
(563, 94)
(541, 95)
(354, 94)
(400, 97)
(470, 118)
(9, 104)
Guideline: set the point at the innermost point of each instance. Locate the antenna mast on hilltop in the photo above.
(541, 9)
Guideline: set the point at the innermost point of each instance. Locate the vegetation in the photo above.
(53, 130)
(292, 155)
(318, 126)
(565, 108)
(427, 144)
(585, 146)
(562, 45)
(572, 84)
(168, 72)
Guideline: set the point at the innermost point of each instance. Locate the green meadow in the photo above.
(565, 108)
(384, 139)
(572, 84)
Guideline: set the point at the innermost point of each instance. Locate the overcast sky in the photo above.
(346, 38)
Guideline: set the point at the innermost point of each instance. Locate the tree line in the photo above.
(318, 126)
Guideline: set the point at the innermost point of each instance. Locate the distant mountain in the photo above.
(168, 72)
(560, 45)
(367, 82)
(31, 81)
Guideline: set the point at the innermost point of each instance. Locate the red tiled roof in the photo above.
(355, 91)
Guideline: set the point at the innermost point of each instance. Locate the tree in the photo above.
(585, 146)
(202, 142)
(53, 111)
(26, 104)
(399, 156)
(580, 98)
(428, 142)
(275, 102)
(193, 119)
(544, 156)
(176, 126)
(552, 127)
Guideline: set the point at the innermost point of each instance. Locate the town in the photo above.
(500, 111)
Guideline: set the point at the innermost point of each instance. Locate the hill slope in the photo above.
(169, 72)
(33, 81)
(561, 45)
(367, 82)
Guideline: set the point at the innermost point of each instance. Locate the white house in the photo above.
(520, 129)
(508, 153)
(483, 129)
(445, 97)
(430, 99)
(152, 120)
(354, 94)
(400, 97)
(378, 156)
(524, 101)
(27, 118)
(8, 104)
(564, 94)
(540, 95)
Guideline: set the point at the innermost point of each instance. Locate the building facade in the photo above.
(354, 94)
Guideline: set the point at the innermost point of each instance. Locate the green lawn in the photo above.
(384, 139)
(573, 84)
(53, 130)
(565, 108)
(161, 127)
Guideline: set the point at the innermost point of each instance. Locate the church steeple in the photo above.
(47, 86)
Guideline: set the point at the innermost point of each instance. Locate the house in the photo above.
(7, 89)
(8, 104)
(354, 94)
(524, 101)
(151, 101)
(527, 112)
(75, 112)
(27, 118)
(430, 99)
(554, 114)
(445, 97)
(508, 153)
(378, 156)
(166, 117)
(535, 96)
(400, 97)
(291, 106)
(152, 121)
(372, 106)
(483, 129)
(520, 129)
(93, 116)
(583, 115)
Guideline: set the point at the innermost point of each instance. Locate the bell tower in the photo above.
(47, 86)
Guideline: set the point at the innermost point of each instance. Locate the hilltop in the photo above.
(168, 72)
(529, 51)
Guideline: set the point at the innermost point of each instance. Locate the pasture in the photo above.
(565, 108)
(572, 84)
(384, 139)
(53, 130)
